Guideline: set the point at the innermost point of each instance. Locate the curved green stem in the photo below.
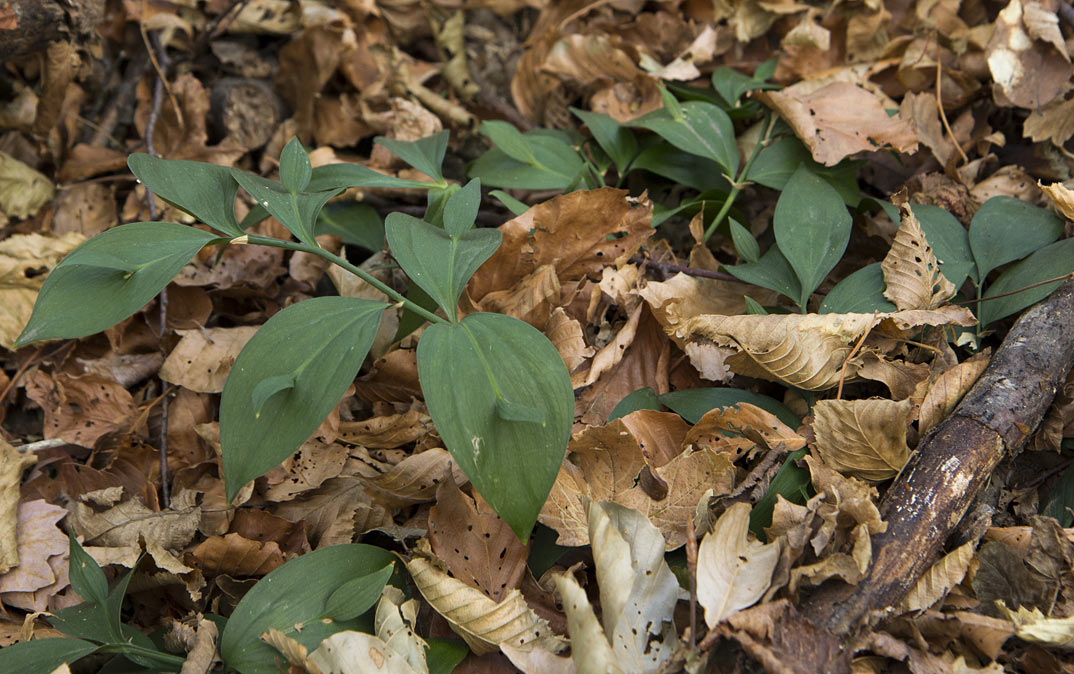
(360, 273)
(740, 180)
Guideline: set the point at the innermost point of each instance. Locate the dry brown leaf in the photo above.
(735, 429)
(944, 393)
(862, 438)
(386, 432)
(733, 571)
(22, 259)
(935, 583)
(921, 110)
(475, 545)
(480, 621)
(13, 463)
(611, 353)
(569, 339)
(839, 120)
(1032, 625)
(531, 299)
(23, 191)
(1061, 196)
(1055, 122)
(38, 541)
(123, 525)
(849, 495)
(81, 409)
(1027, 73)
(202, 359)
(336, 511)
(912, 276)
(236, 556)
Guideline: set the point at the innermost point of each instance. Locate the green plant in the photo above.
(496, 388)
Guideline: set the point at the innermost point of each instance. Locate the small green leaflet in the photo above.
(288, 378)
(297, 211)
(206, 191)
(425, 154)
(295, 168)
(501, 399)
(704, 130)
(110, 277)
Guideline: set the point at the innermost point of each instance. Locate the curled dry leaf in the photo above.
(911, 271)
(863, 438)
(849, 495)
(1032, 625)
(1061, 196)
(944, 393)
(12, 464)
(939, 579)
(733, 571)
(481, 622)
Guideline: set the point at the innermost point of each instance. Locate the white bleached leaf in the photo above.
(732, 570)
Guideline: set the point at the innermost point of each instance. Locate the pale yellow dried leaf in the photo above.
(1043, 24)
(727, 427)
(1031, 625)
(202, 359)
(201, 657)
(912, 276)
(22, 258)
(415, 478)
(1061, 196)
(12, 464)
(733, 570)
(1055, 122)
(122, 525)
(935, 583)
(62, 669)
(292, 651)
(901, 378)
(539, 660)
(596, 657)
(612, 352)
(851, 496)
(862, 438)
(23, 191)
(358, 653)
(943, 395)
(683, 296)
(836, 565)
(482, 623)
(566, 334)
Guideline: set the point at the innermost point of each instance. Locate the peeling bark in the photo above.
(30, 25)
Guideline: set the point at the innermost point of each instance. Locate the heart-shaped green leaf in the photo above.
(206, 191)
(812, 228)
(294, 599)
(297, 211)
(309, 353)
(110, 277)
(501, 399)
(438, 262)
(703, 130)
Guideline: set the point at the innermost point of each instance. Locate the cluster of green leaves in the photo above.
(496, 388)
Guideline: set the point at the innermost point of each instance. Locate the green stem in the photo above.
(360, 273)
(130, 649)
(740, 180)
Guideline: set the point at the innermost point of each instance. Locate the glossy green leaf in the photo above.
(465, 369)
(295, 168)
(436, 261)
(642, 399)
(87, 578)
(43, 656)
(705, 130)
(812, 228)
(206, 191)
(444, 655)
(772, 271)
(1005, 229)
(110, 277)
(297, 211)
(293, 599)
(744, 242)
(318, 345)
(357, 595)
(342, 176)
(862, 292)
(692, 404)
(613, 137)
(460, 212)
(425, 154)
(355, 223)
(1048, 262)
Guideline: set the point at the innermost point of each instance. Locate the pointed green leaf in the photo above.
(514, 205)
(96, 621)
(1005, 229)
(731, 84)
(268, 387)
(295, 168)
(206, 191)
(320, 344)
(692, 404)
(342, 176)
(1048, 262)
(110, 277)
(293, 599)
(43, 656)
(509, 140)
(862, 292)
(87, 578)
(705, 131)
(772, 271)
(356, 223)
(460, 212)
(613, 137)
(555, 164)
(464, 369)
(297, 211)
(812, 228)
(512, 411)
(425, 154)
(753, 307)
(437, 262)
(744, 242)
(357, 595)
(443, 655)
(685, 169)
(642, 399)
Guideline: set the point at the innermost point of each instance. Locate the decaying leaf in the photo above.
(22, 190)
(41, 548)
(939, 579)
(1032, 625)
(203, 358)
(863, 438)
(733, 571)
(13, 463)
(911, 271)
(944, 393)
(23, 258)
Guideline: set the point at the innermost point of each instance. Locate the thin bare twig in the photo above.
(689, 271)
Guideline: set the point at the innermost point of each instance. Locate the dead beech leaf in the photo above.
(236, 556)
(1055, 123)
(481, 622)
(732, 570)
(569, 339)
(862, 438)
(38, 539)
(202, 359)
(944, 393)
(939, 579)
(1061, 196)
(725, 429)
(23, 191)
(1028, 73)
(395, 649)
(13, 463)
(911, 271)
(386, 432)
(22, 259)
(638, 593)
(81, 409)
(1031, 625)
(851, 496)
(125, 524)
(840, 119)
